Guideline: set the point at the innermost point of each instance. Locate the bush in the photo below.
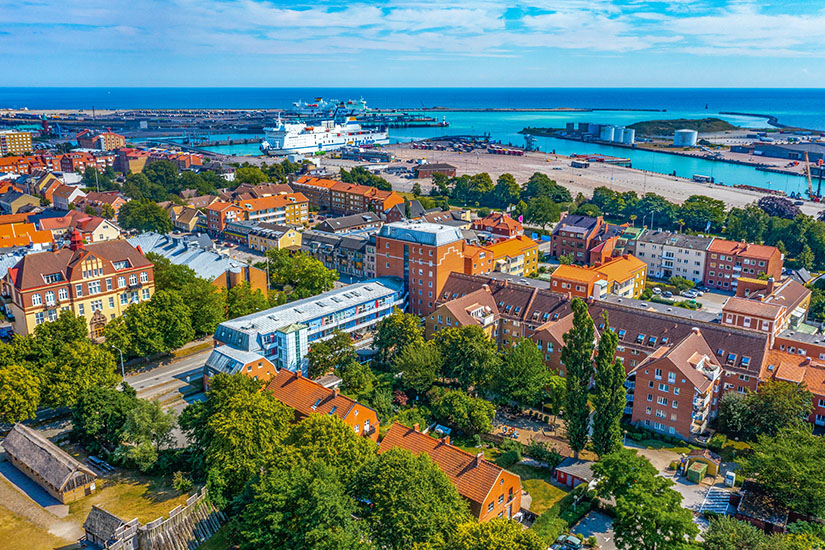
(181, 483)
(508, 459)
(543, 453)
(476, 440)
(549, 526)
(592, 542)
(511, 445)
(717, 442)
(573, 515)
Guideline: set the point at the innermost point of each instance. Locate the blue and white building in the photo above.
(283, 334)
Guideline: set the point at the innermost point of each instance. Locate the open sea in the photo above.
(795, 107)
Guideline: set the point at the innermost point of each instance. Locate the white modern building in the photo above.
(283, 334)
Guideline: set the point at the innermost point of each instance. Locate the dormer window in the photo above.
(317, 402)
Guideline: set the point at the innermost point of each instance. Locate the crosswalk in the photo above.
(716, 500)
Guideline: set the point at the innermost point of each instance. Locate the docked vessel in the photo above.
(288, 137)
(329, 108)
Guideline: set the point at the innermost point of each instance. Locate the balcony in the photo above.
(630, 384)
(698, 427)
(628, 410)
(699, 416)
(487, 320)
(701, 402)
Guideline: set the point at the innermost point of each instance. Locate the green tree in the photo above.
(726, 533)
(609, 397)
(242, 300)
(79, 367)
(541, 211)
(650, 516)
(250, 174)
(498, 534)
(324, 356)
(147, 429)
(162, 173)
(776, 405)
(681, 283)
(791, 466)
(655, 211)
(556, 393)
(362, 176)
(506, 191)
(806, 258)
(577, 357)
(616, 472)
(416, 189)
(328, 439)
(49, 338)
(539, 185)
(144, 215)
(304, 507)
(355, 376)
(699, 212)
(470, 356)
(99, 417)
(393, 333)
(299, 275)
(748, 224)
(419, 365)
(411, 500)
(237, 431)
(19, 393)
(472, 415)
(523, 376)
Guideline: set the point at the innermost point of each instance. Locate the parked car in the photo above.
(689, 293)
(567, 542)
(657, 290)
(667, 294)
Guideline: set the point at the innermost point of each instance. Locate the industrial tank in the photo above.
(618, 134)
(685, 138)
(606, 133)
(629, 136)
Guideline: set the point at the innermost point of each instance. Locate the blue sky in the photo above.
(714, 43)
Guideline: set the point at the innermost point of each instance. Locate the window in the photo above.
(132, 279)
(37, 299)
(490, 507)
(96, 305)
(671, 378)
(109, 284)
(62, 294)
(675, 404)
(664, 387)
(501, 499)
(650, 397)
(647, 410)
(94, 287)
(662, 401)
(78, 290)
(111, 302)
(38, 318)
(658, 374)
(145, 293)
(81, 310)
(121, 281)
(676, 390)
(660, 413)
(50, 298)
(124, 299)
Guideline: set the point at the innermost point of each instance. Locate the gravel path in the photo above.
(23, 506)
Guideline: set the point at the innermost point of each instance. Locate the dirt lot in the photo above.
(576, 180)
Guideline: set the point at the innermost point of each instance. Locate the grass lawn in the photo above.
(16, 533)
(536, 481)
(218, 541)
(129, 496)
(657, 444)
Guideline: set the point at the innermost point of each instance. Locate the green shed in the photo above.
(696, 472)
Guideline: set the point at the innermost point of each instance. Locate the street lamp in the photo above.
(122, 370)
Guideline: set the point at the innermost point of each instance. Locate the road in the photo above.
(185, 370)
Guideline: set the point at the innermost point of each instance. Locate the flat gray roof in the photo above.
(432, 234)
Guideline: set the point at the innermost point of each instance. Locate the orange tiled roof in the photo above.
(21, 234)
(512, 247)
(317, 182)
(309, 397)
(794, 368)
(473, 478)
(272, 201)
(576, 273)
(724, 246)
(620, 268)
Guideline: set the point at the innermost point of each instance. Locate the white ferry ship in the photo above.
(329, 108)
(327, 135)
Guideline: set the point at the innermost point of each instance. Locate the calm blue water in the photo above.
(804, 108)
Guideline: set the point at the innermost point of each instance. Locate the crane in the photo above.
(808, 176)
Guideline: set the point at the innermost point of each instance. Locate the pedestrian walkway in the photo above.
(717, 500)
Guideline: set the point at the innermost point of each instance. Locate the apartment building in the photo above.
(500, 224)
(767, 306)
(104, 141)
(351, 256)
(478, 308)
(669, 254)
(621, 276)
(422, 255)
(348, 224)
(677, 388)
(491, 491)
(91, 228)
(576, 236)
(518, 256)
(218, 214)
(264, 236)
(66, 195)
(78, 160)
(350, 198)
(292, 208)
(14, 142)
(729, 260)
(316, 190)
(791, 367)
(284, 333)
(97, 281)
(98, 199)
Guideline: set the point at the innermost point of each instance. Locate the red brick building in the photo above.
(576, 236)
(219, 213)
(498, 223)
(729, 260)
(677, 388)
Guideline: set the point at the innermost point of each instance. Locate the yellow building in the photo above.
(267, 235)
(97, 281)
(621, 276)
(15, 143)
(518, 256)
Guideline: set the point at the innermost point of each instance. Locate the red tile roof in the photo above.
(474, 477)
(309, 397)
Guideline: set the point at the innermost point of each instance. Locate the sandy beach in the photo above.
(577, 180)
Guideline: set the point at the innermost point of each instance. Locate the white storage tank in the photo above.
(618, 134)
(685, 138)
(629, 136)
(606, 133)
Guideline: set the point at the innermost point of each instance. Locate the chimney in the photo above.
(334, 393)
(298, 373)
(478, 459)
(446, 440)
(416, 427)
(806, 362)
(769, 288)
(695, 330)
